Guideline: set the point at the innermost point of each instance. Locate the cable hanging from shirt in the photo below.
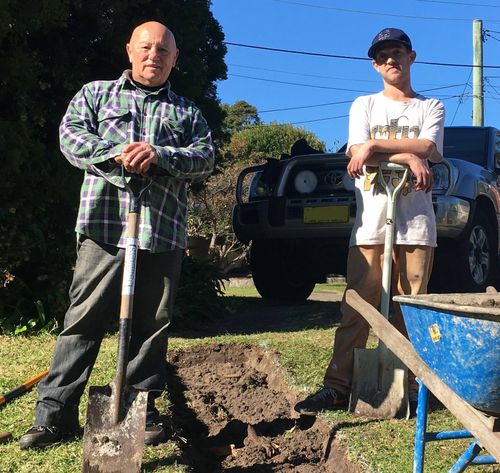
(338, 56)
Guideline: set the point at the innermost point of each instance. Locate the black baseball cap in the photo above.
(389, 34)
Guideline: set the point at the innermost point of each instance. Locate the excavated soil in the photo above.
(234, 413)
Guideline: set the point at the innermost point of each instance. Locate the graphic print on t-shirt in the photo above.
(396, 130)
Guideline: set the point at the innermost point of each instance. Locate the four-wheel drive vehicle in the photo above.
(297, 213)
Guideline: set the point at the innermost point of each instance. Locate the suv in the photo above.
(297, 213)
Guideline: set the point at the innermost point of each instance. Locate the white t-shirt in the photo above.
(378, 117)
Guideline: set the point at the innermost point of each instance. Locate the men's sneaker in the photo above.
(155, 433)
(41, 436)
(326, 399)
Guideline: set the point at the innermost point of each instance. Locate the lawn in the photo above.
(377, 446)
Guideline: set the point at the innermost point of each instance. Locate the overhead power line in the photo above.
(461, 3)
(319, 120)
(331, 88)
(488, 35)
(461, 98)
(349, 79)
(337, 56)
(302, 73)
(305, 106)
(300, 84)
(384, 14)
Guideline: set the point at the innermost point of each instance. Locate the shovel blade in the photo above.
(110, 447)
(380, 385)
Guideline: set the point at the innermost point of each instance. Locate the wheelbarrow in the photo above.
(454, 351)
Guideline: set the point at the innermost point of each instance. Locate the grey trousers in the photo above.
(94, 301)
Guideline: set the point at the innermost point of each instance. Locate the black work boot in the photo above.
(326, 399)
(155, 433)
(41, 436)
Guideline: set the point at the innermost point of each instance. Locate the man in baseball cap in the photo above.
(401, 126)
(389, 35)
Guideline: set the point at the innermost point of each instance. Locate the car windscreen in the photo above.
(466, 143)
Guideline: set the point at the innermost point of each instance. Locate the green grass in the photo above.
(377, 446)
(250, 291)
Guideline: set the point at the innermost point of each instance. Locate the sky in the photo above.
(315, 90)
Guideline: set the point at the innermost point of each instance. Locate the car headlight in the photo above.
(259, 188)
(305, 182)
(442, 180)
(348, 182)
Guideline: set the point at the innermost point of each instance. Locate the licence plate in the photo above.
(327, 214)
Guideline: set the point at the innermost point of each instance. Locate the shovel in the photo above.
(379, 388)
(113, 440)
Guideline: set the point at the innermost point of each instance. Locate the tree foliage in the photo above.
(271, 141)
(48, 50)
(239, 116)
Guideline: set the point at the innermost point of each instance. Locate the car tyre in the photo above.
(477, 255)
(279, 270)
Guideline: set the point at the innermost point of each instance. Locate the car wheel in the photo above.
(477, 255)
(279, 270)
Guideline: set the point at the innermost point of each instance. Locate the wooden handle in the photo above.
(23, 388)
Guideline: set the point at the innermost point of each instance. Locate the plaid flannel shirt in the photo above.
(101, 119)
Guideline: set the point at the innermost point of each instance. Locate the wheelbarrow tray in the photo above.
(458, 337)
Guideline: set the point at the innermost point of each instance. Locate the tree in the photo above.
(267, 141)
(48, 50)
(240, 115)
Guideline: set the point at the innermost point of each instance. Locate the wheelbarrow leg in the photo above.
(468, 458)
(421, 428)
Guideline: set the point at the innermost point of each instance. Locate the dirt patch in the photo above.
(234, 413)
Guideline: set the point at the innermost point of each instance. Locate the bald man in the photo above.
(139, 125)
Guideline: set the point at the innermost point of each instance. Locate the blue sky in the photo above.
(441, 32)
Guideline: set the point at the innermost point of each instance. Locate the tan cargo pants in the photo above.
(411, 270)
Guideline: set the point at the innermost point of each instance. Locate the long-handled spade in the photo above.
(113, 440)
(379, 387)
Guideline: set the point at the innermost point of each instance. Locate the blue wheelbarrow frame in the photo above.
(485, 428)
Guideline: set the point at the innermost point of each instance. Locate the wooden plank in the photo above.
(473, 420)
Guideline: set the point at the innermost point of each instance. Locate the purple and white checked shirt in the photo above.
(101, 119)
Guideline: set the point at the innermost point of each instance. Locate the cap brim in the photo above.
(373, 49)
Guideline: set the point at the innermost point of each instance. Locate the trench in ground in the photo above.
(233, 412)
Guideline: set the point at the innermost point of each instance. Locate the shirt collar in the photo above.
(126, 81)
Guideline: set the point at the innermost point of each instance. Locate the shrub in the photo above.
(200, 293)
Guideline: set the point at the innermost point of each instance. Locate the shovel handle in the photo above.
(127, 294)
(397, 178)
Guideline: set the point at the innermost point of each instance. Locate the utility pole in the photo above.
(477, 78)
